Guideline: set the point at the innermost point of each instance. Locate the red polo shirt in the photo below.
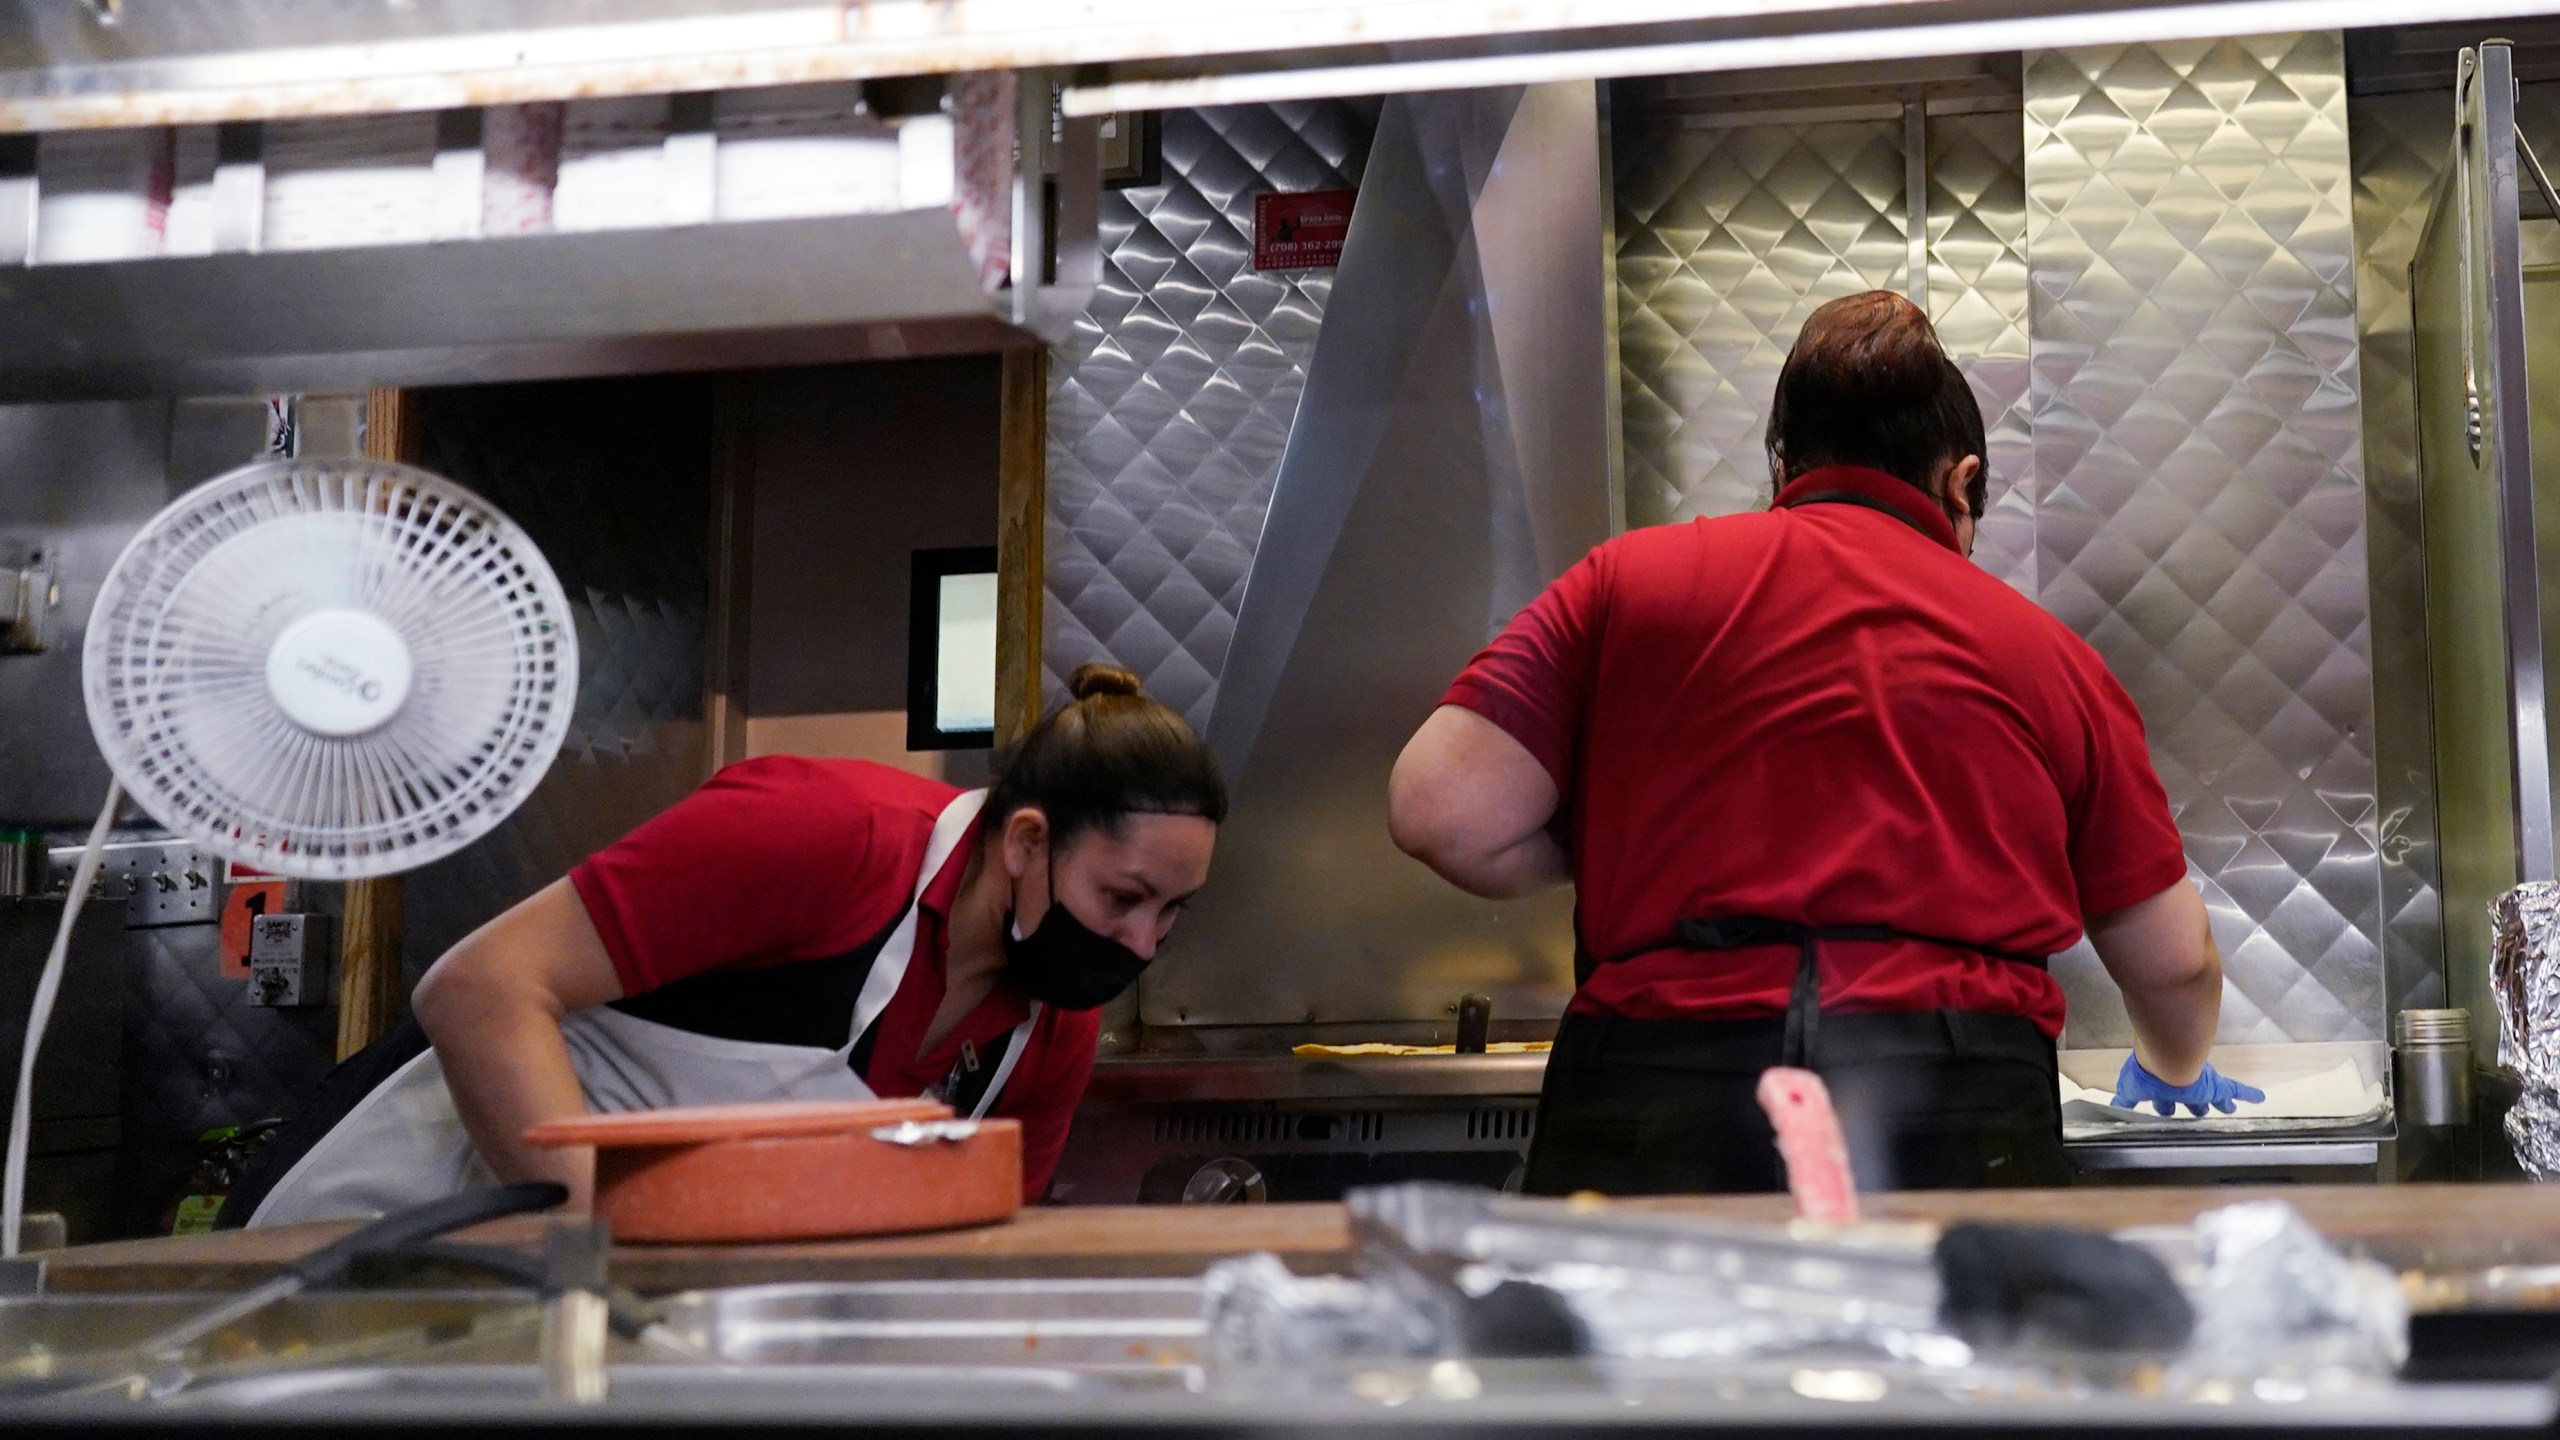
(783, 860)
(1824, 713)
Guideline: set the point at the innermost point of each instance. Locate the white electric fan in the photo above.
(323, 669)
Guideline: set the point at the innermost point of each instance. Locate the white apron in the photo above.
(403, 1144)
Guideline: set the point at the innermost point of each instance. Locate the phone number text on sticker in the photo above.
(1300, 230)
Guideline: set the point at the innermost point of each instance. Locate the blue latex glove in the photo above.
(2212, 1090)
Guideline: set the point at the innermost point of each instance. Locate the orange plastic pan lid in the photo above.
(697, 1124)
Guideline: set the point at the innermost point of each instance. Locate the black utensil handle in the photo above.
(425, 1222)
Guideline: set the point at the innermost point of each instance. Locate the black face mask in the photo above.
(1063, 964)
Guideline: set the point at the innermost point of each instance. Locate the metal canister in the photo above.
(22, 863)
(2433, 1050)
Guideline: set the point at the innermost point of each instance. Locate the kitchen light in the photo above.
(1753, 52)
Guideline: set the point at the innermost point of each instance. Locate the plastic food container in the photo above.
(793, 1170)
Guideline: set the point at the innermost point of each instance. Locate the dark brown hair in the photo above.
(1867, 384)
(1107, 753)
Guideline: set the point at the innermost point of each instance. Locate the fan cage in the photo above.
(174, 666)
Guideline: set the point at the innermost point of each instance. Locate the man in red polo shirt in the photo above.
(1830, 796)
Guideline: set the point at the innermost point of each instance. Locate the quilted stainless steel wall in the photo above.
(2200, 510)
(1728, 237)
(1171, 403)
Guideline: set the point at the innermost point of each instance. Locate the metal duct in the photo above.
(1447, 462)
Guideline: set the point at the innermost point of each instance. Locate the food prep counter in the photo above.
(1092, 1318)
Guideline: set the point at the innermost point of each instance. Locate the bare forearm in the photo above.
(1527, 866)
(2162, 956)
(2173, 1024)
(509, 1071)
(1472, 803)
(493, 1007)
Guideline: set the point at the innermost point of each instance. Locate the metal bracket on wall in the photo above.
(161, 882)
(30, 592)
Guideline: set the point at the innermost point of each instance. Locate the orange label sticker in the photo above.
(248, 900)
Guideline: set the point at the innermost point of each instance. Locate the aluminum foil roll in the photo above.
(2524, 975)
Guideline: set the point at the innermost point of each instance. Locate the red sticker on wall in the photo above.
(1300, 230)
(249, 899)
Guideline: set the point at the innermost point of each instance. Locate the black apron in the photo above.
(1936, 1099)
(1928, 1099)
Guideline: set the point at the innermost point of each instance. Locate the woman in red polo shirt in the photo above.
(795, 929)
(1830, 795)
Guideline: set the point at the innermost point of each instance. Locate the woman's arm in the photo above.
(2161, 954)
(1472, 803)
(493, 1007)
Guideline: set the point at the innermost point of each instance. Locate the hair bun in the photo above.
(1095, 678)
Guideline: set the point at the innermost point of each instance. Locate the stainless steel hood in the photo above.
(972, 242)
(526, 307)
(1449, 457)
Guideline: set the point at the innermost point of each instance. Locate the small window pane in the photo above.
(965, 656)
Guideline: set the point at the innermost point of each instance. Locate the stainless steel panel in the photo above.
(1447, 462)
(2200, 511)
(2399, 143)
(77, 480)
(1978, 301)
(2490, 117)
(1727, 240)
(2467, 665)
(526, 307)
(1729, 237)
(2328, 1154)
(1171, 402)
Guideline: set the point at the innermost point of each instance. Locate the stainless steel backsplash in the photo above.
(2200, 513)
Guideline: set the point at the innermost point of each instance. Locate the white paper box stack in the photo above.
(101, 195)
(349, 180)
(612, 164)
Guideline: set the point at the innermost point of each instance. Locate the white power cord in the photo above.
(13, 1204)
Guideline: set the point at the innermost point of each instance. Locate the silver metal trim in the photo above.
(2493, 101)
(1158, 1081)
(1915, 201)
(1614, 415)
(2224, 1155)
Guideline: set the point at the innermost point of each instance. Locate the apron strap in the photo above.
(1804, 997)
(889, 967)
(1015, 1044)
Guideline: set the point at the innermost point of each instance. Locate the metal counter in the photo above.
(1292, 1127)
